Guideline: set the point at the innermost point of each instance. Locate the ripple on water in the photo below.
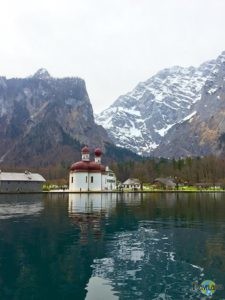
(8, 211)
(144, 264)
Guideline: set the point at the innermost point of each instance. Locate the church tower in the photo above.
(98, 154)
(85, 154)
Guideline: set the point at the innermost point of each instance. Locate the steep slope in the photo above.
(45, 120)
(204, 132)
(141, 119)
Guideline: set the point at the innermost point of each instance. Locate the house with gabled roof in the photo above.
(132, 183)
(27, 182)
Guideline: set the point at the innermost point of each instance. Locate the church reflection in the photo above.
(91, 203)
(89, 212)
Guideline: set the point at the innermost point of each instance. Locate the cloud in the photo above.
(111, 44)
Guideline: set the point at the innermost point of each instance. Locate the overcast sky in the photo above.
(112, 44)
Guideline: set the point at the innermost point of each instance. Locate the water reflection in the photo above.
(111, 246)
(155, 251)
(20, 205)
(88, 211)
(90, 203)
(97, 284)
(146, 264)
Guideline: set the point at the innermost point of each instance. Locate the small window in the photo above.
(92, 179)
(71, 179)
(86, 178)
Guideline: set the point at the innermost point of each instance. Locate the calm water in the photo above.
(131, 246)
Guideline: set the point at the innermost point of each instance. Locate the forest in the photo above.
(189, 171)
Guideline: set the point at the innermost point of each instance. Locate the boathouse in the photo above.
(26, 182)
(87, 175)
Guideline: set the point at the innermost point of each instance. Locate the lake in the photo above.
(111, 246)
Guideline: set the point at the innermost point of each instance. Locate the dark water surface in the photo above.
(111, 246)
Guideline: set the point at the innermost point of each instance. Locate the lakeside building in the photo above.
(87, 175)
(132, 183)
(166, 183)
(26, 182)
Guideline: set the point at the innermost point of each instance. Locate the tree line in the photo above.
(190, 171)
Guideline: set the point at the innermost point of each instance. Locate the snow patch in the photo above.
(189, 116)
(164, 130)
(212, 90)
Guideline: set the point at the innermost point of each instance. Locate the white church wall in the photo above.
(95, 183)
(104, 182)
(79, 183)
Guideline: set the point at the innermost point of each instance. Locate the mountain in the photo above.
(44, 121)
(203, 132)
(146, 120)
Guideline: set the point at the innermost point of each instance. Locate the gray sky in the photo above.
(112, 44)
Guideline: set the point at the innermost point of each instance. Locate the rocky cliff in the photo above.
(203, 132)
(45, 120)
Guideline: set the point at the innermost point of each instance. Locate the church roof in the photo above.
(87, 166)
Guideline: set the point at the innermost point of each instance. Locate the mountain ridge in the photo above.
(154, 107)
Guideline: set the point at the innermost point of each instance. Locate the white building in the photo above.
(132, 183)
(26, 182)
(86, 175)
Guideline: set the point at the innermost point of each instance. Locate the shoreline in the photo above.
(114, 192)
(133, 192)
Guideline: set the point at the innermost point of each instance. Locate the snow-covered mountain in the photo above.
(204, 132)
(141, 119)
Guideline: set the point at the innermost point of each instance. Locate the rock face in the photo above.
(150, 118)
(203, 132)
(45, 120)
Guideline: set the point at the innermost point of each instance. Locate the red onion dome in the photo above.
(80, 165)
(85, 150)
(87, 166)
(93, 166)
(102, 168)
(98, 152)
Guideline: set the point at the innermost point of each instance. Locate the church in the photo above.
(91, 176)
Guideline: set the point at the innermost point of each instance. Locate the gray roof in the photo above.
(26, 176)
(166, 181)
(132, 181)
